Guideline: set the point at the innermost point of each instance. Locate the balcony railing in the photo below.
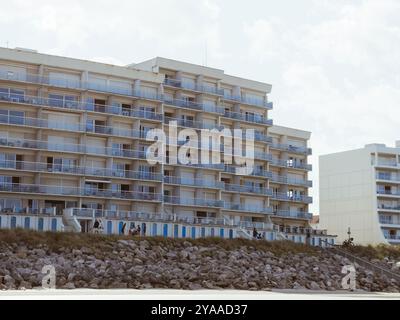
(76, 191)
(193, 201)
(289, 164)
(387, 176)
(70, 126)
(293, 214)
(258, 225)
(199, 88)
(248, 189)
(64, 82)
(192, 182)
(248, 100)
(387, 163)
(75, 148)
(82, 106)
(78, 170)
(246, 208)
(256, 172)
(388, 192)
(292, 148)
(194, 105)
(293, 198)
(388, 207)
(292, 181)
(248, 117)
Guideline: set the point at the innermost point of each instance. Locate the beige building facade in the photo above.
(73, 151)
(360, 193)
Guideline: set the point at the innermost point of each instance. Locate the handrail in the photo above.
(362, 261)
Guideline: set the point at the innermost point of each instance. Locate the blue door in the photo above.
(27, 222)
(221, 232)
(203, 232)
(40, 224)
(120, 226)
(54, 224)
(165, 231)
(154, 231)
(176, 231)
(313, 241)
(230, 234)
(212, 233)
(183, 232)
(13, 222)
(193, 232)
(109, 227)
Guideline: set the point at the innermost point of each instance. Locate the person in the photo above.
(255, 233)
(144, 229)
(123, 228)
(138, 230)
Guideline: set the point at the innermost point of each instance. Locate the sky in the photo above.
(334, 66)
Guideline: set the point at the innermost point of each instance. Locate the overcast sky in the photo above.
(334, 66)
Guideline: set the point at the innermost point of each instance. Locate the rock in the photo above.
(69, 285)
(314, 286)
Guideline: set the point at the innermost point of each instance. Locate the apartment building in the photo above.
(73, 151)
(360, 193)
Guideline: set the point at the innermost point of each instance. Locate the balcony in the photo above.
(64, 82)
(291, 164)
(76, 191)
(256, 172)
(193, 182)
(292, 148)
(73, 148)
(248, 189)
(194, 105)
(82, 106)
(253, 118)
(249, 101)
(70, 126)
(246, 208)
(77, 170)
(292, 198)
(387, 177)
(387, 163)
(261, 137)
(388, 193)
(290, 181)
(385, 207)
(193, 202)
(198, 88)
(293, 214)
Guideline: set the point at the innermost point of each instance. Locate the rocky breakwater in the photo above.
(179, 264)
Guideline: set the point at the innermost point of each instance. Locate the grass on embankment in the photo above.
(57, 240)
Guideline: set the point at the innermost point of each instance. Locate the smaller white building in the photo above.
(360, 189)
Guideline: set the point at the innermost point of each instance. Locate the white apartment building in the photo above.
(73, 151)
(360, 190)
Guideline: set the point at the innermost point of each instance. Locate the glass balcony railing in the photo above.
(79, 170)
(293, 198)
(382, 206)
(293, 214)
(193, 201)
(249, 101)
(194, 105)
(291, 164)
(292, 148)
(76, 191)
(248, 189)
(254, 118)
(291, 181)
(75, 148)
(82, 106)
(192, 182)
(199, 88)
(388, 192)
(64, 82)
(247, 208)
